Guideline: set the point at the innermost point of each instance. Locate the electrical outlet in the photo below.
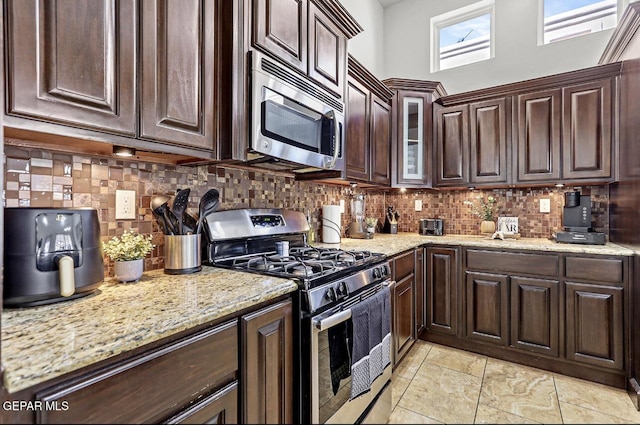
(125, 204)
(418, 204)
(545, 205)
(341, 206)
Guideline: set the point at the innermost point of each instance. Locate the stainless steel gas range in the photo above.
(342, 307)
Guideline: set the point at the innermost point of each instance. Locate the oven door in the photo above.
(292, 125)
(327, 405)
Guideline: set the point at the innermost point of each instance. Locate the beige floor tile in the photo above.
(400, 415)
(520, 390)
(594, 396)
(413, 359)
(443, 394)
(491, 415)
(398, 387)
(572, 414)
(462, 361)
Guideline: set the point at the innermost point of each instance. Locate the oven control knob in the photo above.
(330, 294)
(377, 273)
(386, 270)
(343, 291)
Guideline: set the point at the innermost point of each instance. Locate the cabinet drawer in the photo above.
(151, 387)
(511, 262)
(607, 270)
(405, 263)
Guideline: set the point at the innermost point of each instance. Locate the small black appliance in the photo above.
(50, 255)
(576, 221)
(431, 227)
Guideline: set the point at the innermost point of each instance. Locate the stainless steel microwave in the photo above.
(293, 119)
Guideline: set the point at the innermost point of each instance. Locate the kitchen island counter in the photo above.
(41, 343)
(394, 244)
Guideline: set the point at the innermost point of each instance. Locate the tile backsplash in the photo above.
(37, 178)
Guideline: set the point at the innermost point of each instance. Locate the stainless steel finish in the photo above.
(322, 296)
(381, 410)
(263, 84)
(352, 409)
(237, 224)
(182, 253)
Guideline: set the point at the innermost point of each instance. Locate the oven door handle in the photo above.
(335, 319)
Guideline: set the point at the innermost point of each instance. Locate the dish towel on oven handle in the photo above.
(371, 321)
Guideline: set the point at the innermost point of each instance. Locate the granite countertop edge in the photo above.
(45, 342)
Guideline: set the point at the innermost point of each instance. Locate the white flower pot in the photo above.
(129, 271)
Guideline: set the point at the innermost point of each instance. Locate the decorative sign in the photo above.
(508, 225)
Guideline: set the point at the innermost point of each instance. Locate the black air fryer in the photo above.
(50, 255)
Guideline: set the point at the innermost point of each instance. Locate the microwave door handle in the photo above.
(336, 150)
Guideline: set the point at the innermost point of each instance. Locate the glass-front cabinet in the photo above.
(412, 131)
(413, 148)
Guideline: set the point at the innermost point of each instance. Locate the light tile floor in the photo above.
(435, 384)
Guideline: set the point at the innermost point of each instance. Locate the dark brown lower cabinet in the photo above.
(421, 316)
(403, 317)
(488, 307)
(164, 383)
(442, 290)
(535, 315)
(267, 365)
(220, 407)
(594, 325)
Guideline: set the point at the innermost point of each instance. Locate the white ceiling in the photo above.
(387, 3)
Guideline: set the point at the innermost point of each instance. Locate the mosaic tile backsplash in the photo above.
(36, 178)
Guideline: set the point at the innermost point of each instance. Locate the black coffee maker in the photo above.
(576, 221)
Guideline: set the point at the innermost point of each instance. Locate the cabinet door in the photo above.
(177, 72)
(538, 132)
(413, 131)
(534, 315)
(488, 141)
(280, 27)
(73, 62)
(488, 307)
(220, 407)
(380, 130)
(327, 51)
(267, 362)
(404, 317)
(594, 325)
(357, 133)
(420, 292)
(442, 290)
(586, 130)
(452, 146)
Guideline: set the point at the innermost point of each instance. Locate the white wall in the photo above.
(517, 54)
(367, 47)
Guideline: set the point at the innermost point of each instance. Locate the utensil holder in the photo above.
(182, 254)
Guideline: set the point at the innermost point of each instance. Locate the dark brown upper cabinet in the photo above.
(311, 36)
(412, 130)
(177, 72)
(489, 128)
(280, 27)
(538, 136)
(73, 63)
(368, 132)
(143, 70)
(549, 130)
(452, 145)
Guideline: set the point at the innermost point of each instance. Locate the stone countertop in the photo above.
(41, 343)
(394, 244)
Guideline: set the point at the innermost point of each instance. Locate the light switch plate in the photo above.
(125, 204)
(418, 204)
(545, 205)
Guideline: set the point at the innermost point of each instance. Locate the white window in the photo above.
(564, 19)
(462, 36)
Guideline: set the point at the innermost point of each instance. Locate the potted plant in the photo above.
(128, 252)
(371, 223)
(485, 210)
